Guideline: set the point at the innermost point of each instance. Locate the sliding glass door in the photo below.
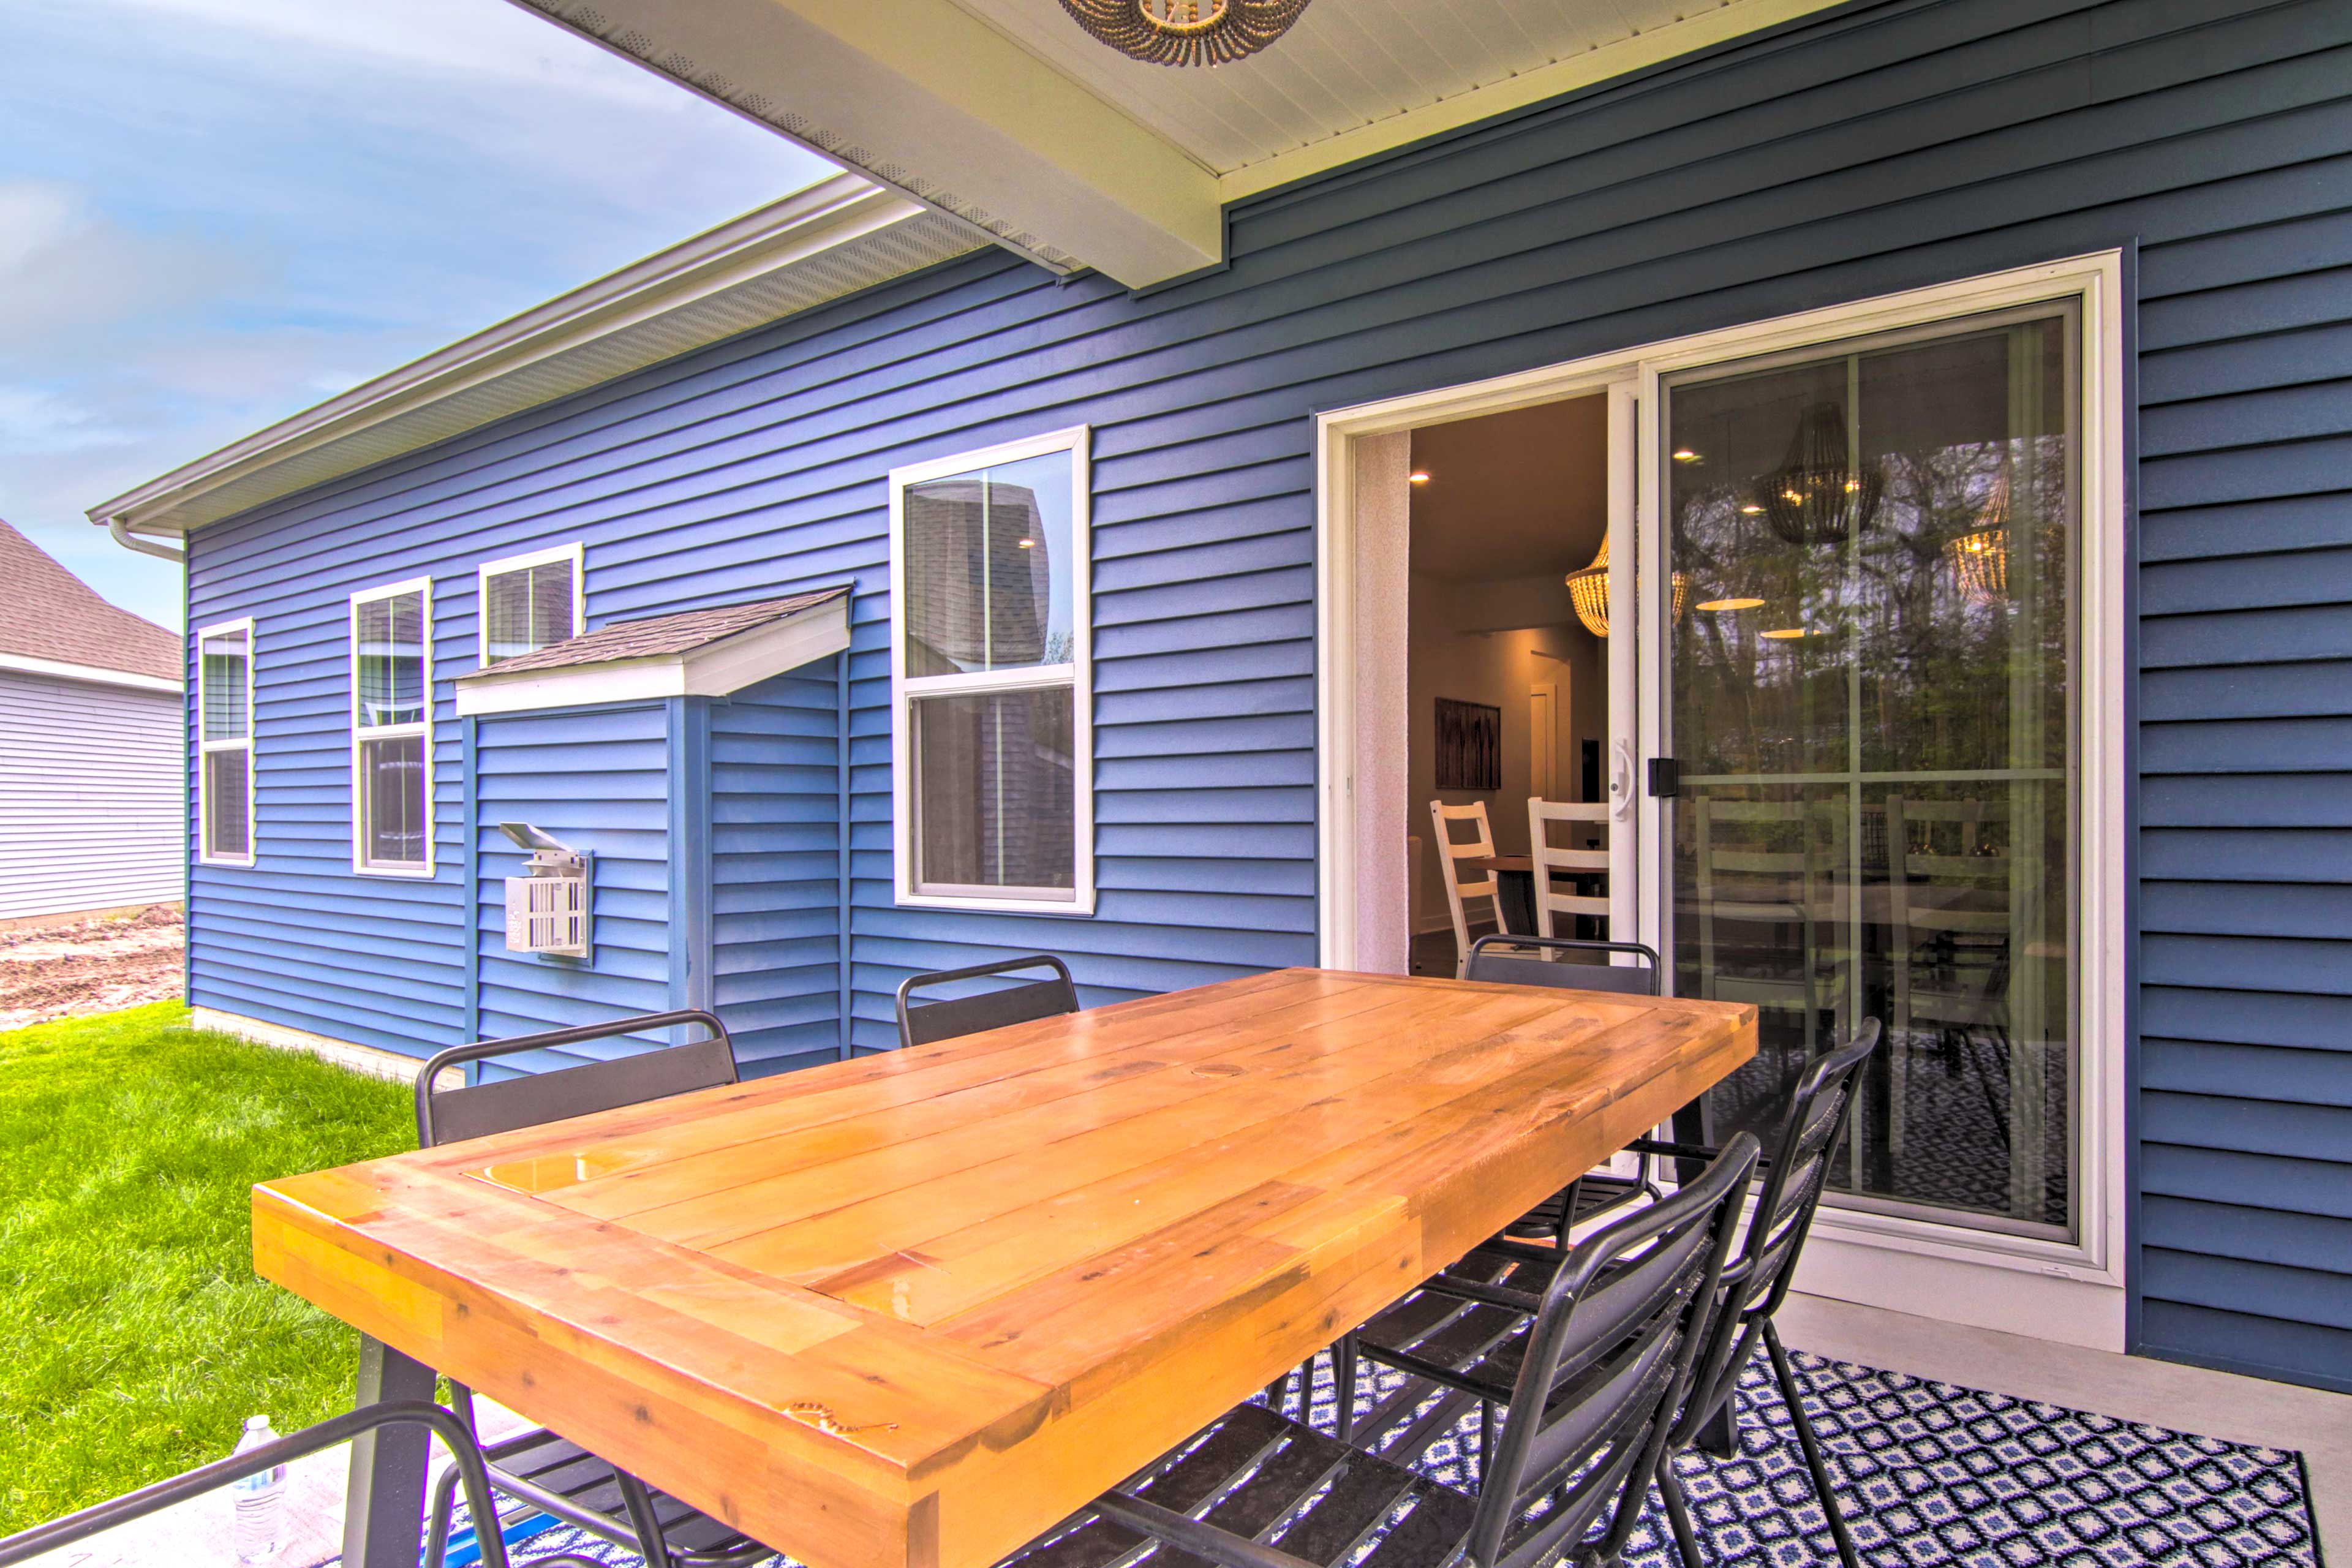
(1870, 673)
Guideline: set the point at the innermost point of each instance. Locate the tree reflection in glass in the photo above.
(1873, 705)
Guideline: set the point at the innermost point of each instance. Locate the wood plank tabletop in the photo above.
(908, 1311)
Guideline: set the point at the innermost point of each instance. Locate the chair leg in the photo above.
(1670, 1487)
(651, 1545)
(1792, 1391)
(440, 1517)
(1718, 1435)
(1343, 1388)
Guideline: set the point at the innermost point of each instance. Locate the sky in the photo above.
(216, 213)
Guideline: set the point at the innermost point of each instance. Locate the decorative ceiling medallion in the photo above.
(1186, 32)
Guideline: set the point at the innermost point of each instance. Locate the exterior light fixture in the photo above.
(1185, 32)
(1588, 590)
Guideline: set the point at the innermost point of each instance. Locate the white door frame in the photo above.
(2071, 1290)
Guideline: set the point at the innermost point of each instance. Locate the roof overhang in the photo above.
(97, 675)
(1002, 112)
(831, 239)
(718, 669)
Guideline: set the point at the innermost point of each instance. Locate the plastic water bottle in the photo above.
(260, 1501)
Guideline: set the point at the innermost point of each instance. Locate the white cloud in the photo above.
(33, 420)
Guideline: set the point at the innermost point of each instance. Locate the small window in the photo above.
(392, 729)
(225, 743)
(991, 682)
(529, 602)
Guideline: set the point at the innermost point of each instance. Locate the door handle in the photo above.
(1620, 781)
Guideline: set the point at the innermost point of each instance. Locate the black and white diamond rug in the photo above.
(1931, 1474)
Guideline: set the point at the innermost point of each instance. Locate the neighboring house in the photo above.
(93, 727)
(1962, 390)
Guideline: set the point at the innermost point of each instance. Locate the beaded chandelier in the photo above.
(1588, 590)
(1186, 32)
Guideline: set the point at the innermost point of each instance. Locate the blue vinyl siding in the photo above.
(1881, 147)
(597, 779)
(775, 844)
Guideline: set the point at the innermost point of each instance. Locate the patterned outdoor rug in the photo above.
(1934, 1474)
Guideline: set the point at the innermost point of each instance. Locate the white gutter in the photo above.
(25, 664)
(123, 536)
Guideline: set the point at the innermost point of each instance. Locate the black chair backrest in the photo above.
(1604, 1366)
(42, 1539)
(446, 1115)
(1502, 967)
(920, 1023)
(1812, 1129)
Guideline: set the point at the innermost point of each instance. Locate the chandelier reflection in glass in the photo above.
(1817, 495)
(1588, 590)
(1186, 32)
(1979, 558)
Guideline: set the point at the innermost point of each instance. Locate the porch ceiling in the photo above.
(1004, 113)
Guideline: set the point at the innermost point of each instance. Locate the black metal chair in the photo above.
(539, 1468)
(920, 1023)
(1590, 1370)
(1433, 1328)
(466, 1464)
(1506, 960)
(1493, 960)
(1794, 1175)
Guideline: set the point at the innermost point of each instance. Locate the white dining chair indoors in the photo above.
(1582, 819)
(1442, 817)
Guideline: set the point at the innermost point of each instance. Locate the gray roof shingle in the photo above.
(46, 612)
(660, 635)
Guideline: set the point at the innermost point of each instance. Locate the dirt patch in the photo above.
(89, 965)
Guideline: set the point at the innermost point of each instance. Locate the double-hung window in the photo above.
(529, 602)
(225, 743)
(392, 729)
(991, 684)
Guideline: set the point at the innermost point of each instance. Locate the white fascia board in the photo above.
(717, 670)
(927, 96)
(96, 675)
(800, 229)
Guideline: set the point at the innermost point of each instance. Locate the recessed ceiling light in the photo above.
(1784, 634)
(1750, 510)
(1720, 604)
(1418, 476)
(1684, 454)
(1028, 544)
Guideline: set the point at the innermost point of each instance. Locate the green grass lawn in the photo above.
(134, 1337)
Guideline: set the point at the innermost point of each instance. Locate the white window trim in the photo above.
(2071, 1290)
(204, 856)
(423, 727)
(489, 569)
(1079, 674)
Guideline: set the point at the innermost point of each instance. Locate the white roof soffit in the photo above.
(928, 98)
(834, 238)
(1008, 115)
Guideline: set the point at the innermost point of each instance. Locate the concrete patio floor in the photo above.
(2185, 1398)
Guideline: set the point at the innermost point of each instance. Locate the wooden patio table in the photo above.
(909, 1310)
